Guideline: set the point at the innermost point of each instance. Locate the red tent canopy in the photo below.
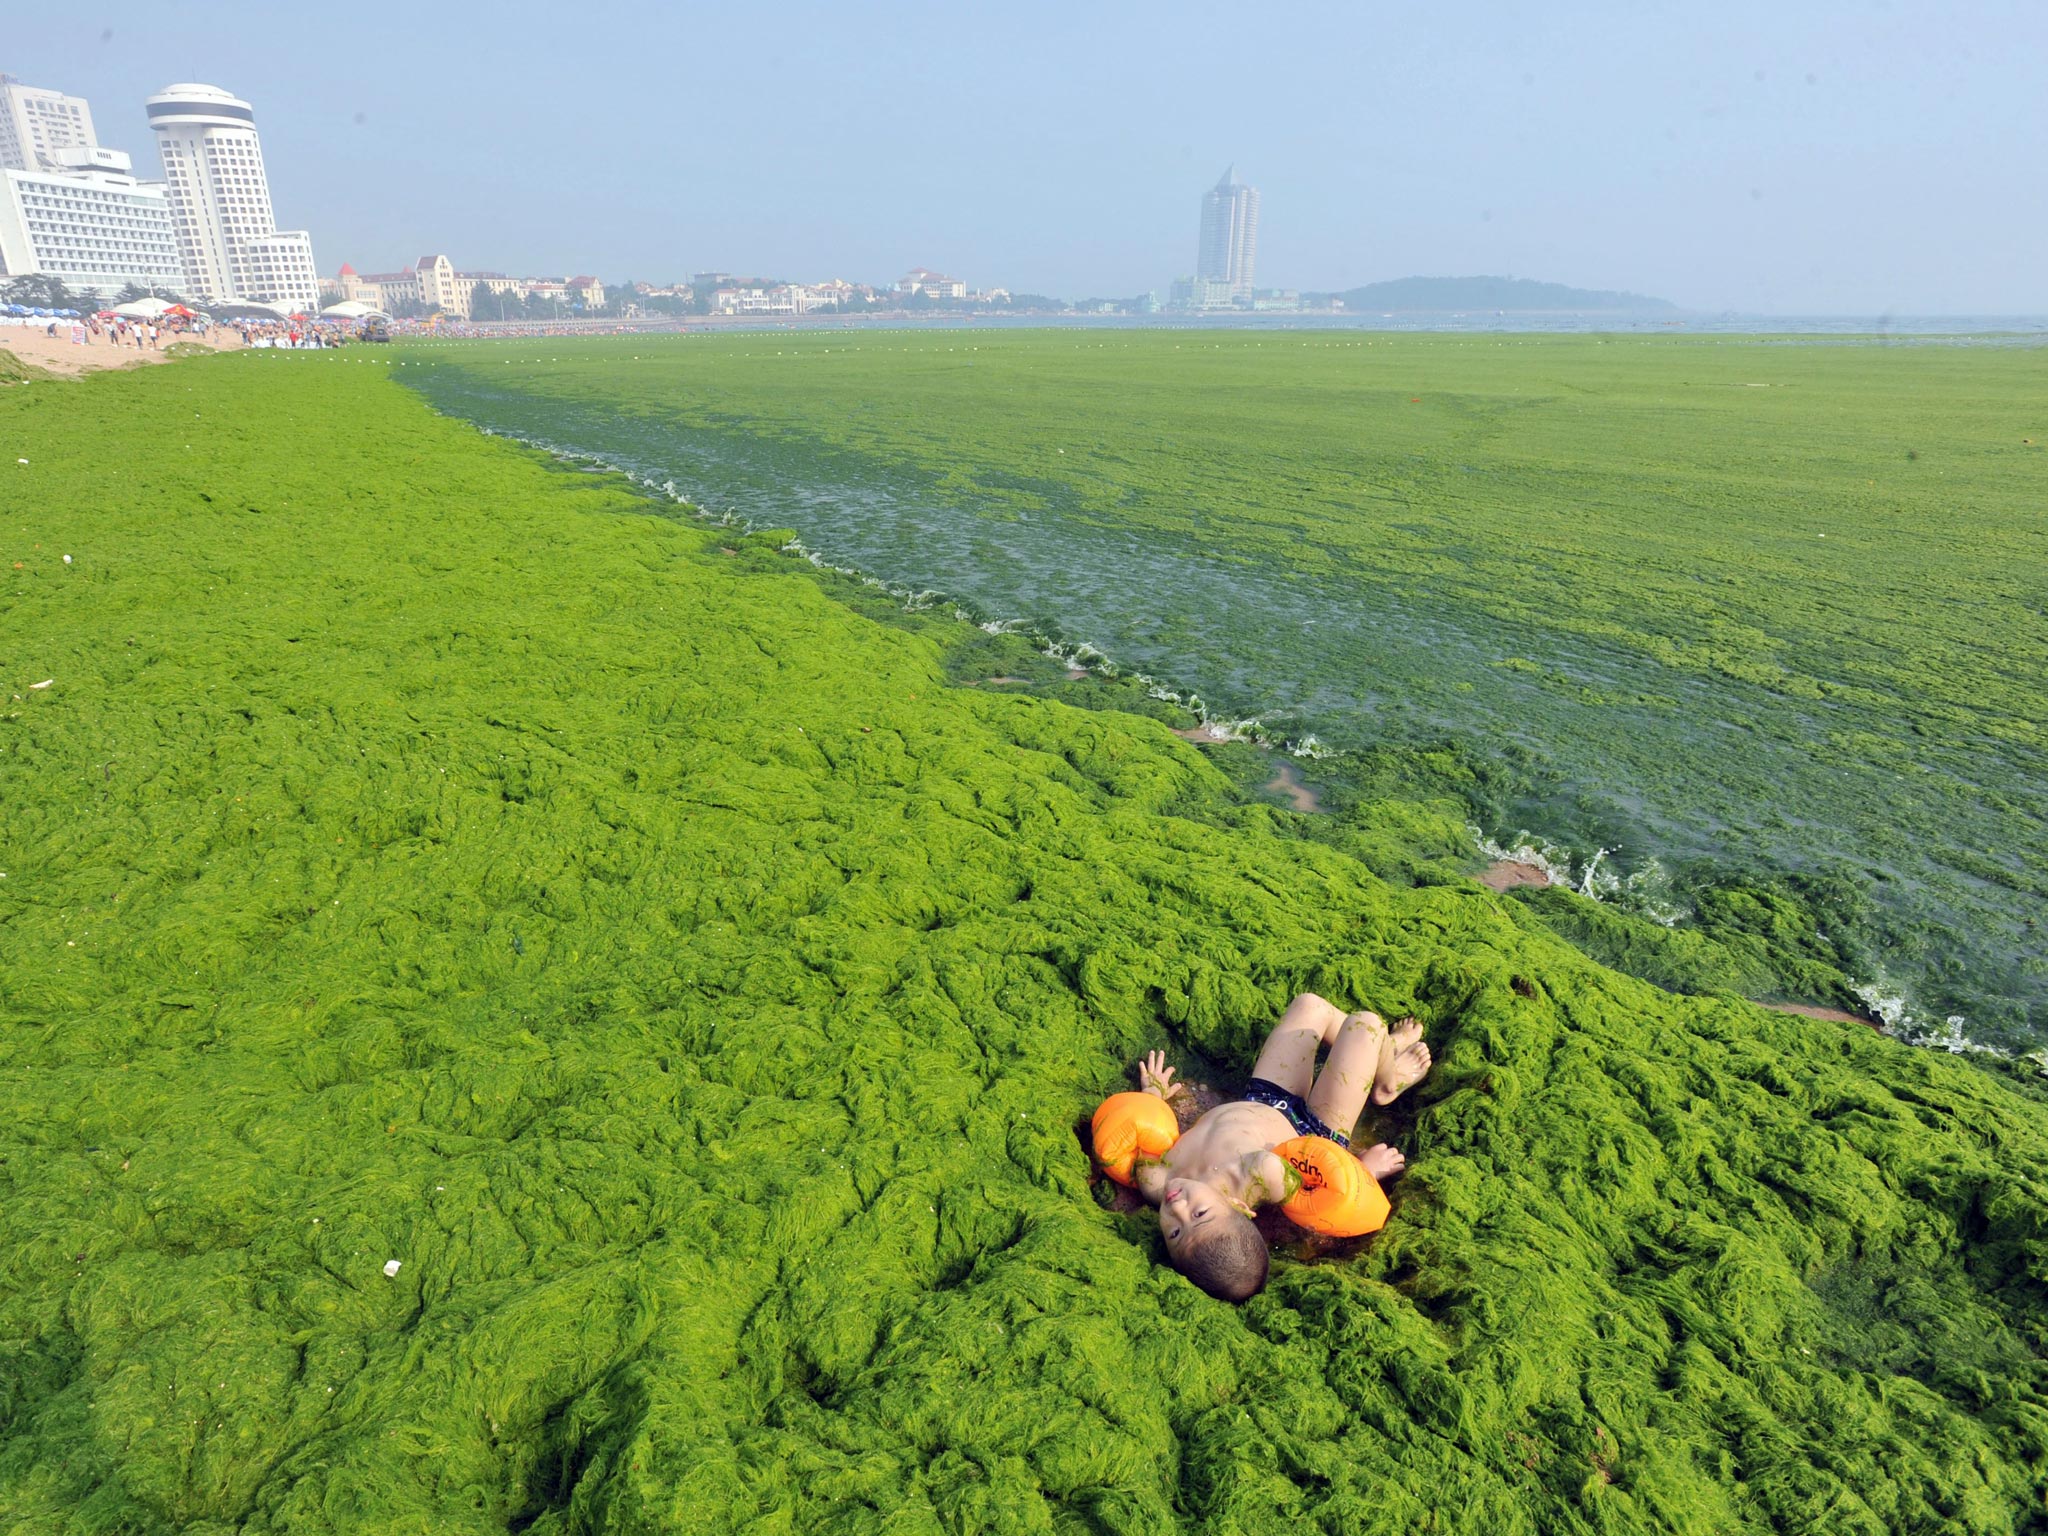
(179, 309)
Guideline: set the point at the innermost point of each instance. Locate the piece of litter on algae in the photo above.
(45, 683)
(391, 1267)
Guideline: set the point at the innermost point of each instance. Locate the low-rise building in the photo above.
(785, 298)
(933, 285)
(837, 291)
(778, 300)
(441, 290)
(388, 291)
(435, 284)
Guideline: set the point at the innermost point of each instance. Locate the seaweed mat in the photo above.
(422, 854)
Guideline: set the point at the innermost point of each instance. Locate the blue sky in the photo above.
(1806, 156)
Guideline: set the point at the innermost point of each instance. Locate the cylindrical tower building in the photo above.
(220, 202)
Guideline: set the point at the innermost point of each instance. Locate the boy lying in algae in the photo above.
(1286, 1143)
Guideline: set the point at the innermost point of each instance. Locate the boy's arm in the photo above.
(1268, 1179)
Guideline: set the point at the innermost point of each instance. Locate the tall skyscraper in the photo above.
(72, 209)
(220, 202)
(35, 124)
(1230, 242)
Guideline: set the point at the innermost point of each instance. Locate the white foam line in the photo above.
(1948, 1035)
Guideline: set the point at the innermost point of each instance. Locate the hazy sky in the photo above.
(1796, 156)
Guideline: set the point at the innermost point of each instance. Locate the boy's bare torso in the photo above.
(1229, 1149)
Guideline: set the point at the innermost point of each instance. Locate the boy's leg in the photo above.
(1338, 1097)
(1288, 1058)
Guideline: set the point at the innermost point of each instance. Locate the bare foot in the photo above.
(1383, 1161)
(1404, 1062)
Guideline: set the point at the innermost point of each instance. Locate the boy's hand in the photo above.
(1154, 1075)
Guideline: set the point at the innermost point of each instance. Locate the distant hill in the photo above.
(1440, 293)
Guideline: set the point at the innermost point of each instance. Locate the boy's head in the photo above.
(1212, 1242)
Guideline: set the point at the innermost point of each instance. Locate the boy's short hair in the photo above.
(1230, 1261)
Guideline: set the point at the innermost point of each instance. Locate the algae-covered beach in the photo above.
(1741, 631)
(526, 1011)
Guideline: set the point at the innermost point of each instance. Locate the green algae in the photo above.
(14, 371)
(1725, 616)
(421, 854)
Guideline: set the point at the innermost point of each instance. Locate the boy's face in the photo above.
(1187, 1210)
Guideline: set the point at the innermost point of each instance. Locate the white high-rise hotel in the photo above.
(35, 124)
(1230, 242)
(72, 208)
(228, 238)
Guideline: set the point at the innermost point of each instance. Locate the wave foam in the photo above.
(1898, 1019)
(1646, 892)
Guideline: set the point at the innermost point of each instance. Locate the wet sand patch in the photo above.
(1815, 1011)
(1506, 874)
(1287, 781)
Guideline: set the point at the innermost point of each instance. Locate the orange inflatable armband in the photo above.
(1337, 1198)
(1129, 1126)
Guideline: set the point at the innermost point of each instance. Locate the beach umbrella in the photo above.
(181, 311)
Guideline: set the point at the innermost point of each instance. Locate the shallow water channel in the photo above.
(1659, 771)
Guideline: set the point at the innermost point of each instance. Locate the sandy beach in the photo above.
(60, 355)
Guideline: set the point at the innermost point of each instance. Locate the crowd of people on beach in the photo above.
(155, 333)
(294, 334)
(121, 330)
